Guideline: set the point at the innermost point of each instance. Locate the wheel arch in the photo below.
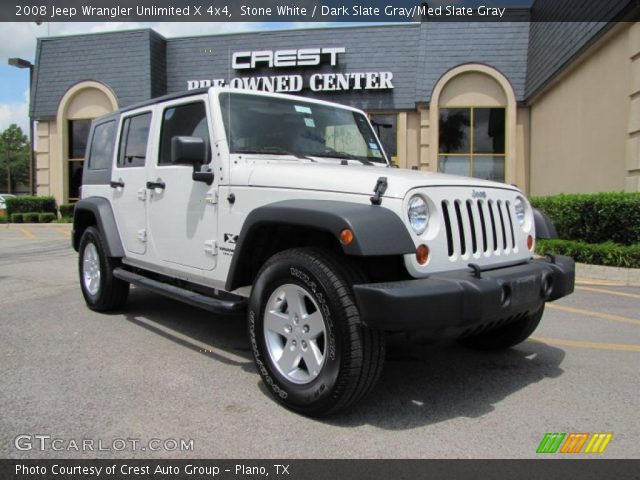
(378, 232)
(545, 229)
(97, 211)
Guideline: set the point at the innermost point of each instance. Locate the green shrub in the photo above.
(66, 209)
(4, 219)
(594, 218)
(63, 220)
(608, 253)
(16, 217)
(28, 204)
(30, 217)
(46, 217)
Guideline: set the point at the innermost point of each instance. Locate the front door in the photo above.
(182, 213)
(128, 181)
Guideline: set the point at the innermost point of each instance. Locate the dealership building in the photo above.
(550, 107)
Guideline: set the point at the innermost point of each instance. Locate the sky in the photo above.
(19, 40)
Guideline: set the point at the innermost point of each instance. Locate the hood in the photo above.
(354, 179)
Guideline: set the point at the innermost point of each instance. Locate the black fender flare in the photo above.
(100, 209)
(377, 230)
(544, 226)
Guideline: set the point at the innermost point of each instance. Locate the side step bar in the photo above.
(222, 307)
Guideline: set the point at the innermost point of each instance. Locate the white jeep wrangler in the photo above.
(286, 210)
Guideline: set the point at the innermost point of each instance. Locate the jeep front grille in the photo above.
(476, 227)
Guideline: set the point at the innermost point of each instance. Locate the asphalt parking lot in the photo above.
(163, 370)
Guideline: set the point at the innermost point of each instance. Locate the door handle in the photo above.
(157, 184)
(118, 184)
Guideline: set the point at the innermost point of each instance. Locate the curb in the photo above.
(625, 276)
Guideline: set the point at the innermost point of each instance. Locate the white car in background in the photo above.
(3, 198)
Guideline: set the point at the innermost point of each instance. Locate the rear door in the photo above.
(182, 213)
(128, 180)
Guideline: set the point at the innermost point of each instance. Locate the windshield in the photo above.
(270, 125)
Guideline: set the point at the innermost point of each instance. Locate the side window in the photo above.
(102, 143)
(133, 141)
(189, 120)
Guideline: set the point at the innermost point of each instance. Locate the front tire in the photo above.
(507, 336)
(310, 346)
(101, 290)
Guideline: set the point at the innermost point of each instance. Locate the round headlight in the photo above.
(418, 214)
(520, 209)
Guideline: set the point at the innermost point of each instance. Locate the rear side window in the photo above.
(102, 143)
(133, 141)
(188, 120)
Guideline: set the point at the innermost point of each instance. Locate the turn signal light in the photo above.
(346, 236)
(422, 254)
(530, 242)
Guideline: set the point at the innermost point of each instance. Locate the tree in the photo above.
(14, 157)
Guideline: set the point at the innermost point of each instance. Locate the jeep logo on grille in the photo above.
(478, 194)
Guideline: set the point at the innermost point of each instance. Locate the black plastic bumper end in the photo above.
(450, 303)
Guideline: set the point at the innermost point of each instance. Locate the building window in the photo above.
(78, 136)
(387, 131)
(133, 141)
(472, 142)
(75, 179)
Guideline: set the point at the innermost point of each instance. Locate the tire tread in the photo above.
(114, 292)
(364, 360)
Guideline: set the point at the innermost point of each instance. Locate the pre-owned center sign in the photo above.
(293, 59)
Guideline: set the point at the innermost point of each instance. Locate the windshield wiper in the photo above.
(272, 151)
(343, 155)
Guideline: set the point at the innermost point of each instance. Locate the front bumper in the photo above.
(460, 303)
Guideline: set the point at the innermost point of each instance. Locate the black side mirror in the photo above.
(188, 150)
(191, 151)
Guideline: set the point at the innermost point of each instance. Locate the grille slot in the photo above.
(472, 223)
(493, 225)
(463, 243)
(513, 235)
(502, 225)
(476, 227)
(485, 244)
(447, 226)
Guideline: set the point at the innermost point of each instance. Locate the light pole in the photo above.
(22, 63)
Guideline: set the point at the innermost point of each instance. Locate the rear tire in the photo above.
(101, 290)
(507, 336)
(310, 346)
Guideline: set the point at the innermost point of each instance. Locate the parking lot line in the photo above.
(561, 342)
(609, 292)
(26, 233)
(598, 283)
(591, 313)
(66, 233)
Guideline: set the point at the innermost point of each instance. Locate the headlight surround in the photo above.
(418, 214)
(519, 206)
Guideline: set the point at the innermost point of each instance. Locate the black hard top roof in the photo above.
(171, 96)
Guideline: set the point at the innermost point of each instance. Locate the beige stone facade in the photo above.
(585, 126)
(85, 100)
(469, 85)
